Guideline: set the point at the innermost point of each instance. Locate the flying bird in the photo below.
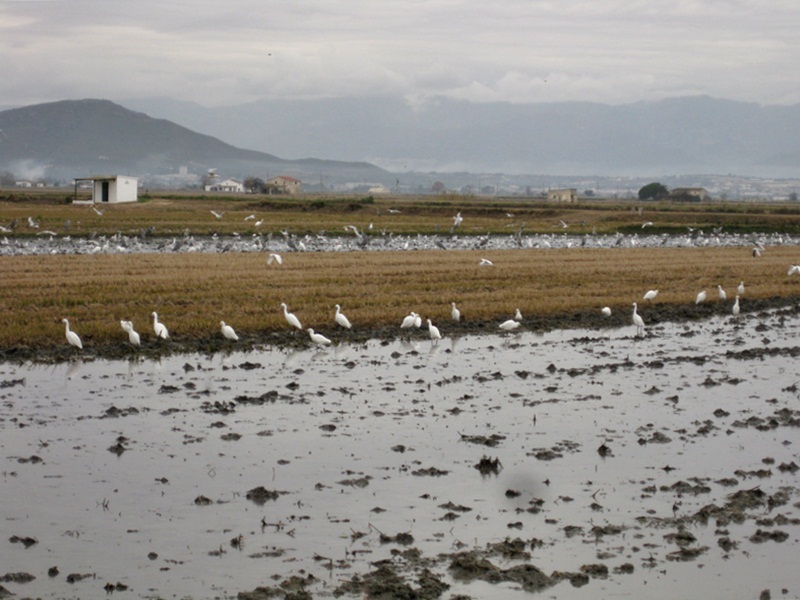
(274, 258)
(217, 214)
(485, 262)
(457, 220)
(72, 337)
(793, 270)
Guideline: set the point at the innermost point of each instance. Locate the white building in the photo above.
(112, 189)
(228, 185)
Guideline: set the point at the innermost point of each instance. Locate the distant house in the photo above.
(111, 189)
(283, 184)
(23, 184)
(699, 193)
(565, 195)
(229, 185)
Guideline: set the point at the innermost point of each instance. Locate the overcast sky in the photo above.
(229, 52)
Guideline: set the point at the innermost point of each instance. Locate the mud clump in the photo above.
(260, 495)
(386, 582)
(469, 566)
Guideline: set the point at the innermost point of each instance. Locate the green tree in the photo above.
(653, 191)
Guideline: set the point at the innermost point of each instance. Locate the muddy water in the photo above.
(621, 462)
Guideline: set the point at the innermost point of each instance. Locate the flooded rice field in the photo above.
(572, 464)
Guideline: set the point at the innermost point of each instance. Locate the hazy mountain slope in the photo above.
(85, 137)
(693, 134)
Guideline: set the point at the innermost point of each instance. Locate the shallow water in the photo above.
(373, 439)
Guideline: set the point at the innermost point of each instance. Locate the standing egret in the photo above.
(518, 316)
(341, 319)
(159, 328)
(701, 297)
(740, 289)
(651, 294)
(409, 321)
(454, 312)
(433, 331)
(274, 258)
(228, 331)
(606, 310)
(735, 309)
(637, 320)
(509, 325)
(290, 318)
(318, 338)
(133, 336)
(722, 295)
(417, 321)
(72, 337)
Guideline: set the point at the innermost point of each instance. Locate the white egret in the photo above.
(457, 220)
(217, 214)
(249, 217)
(740, 289)
(701, 297)
(433, 331)
(637, 320)
(454, 312)
(274, 258)
(606, 310)
(72, 337)
(159, 328)
(318, 338)
(290, 318)
(133, 336)
(417, 321)
(518, 316)
(793, 270)
(735, 309)
(485, 262)
(341, 319)
(651, 294)
(228, 331)
(409, 321)
(509, 325)
(722, 295)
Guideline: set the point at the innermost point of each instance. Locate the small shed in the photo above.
(283, 184)
(111, 189)
(563, 195)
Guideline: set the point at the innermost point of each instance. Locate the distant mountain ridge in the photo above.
(78, 138)
(696, 134)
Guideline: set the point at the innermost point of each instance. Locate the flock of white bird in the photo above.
(412, 320)
(701, 297)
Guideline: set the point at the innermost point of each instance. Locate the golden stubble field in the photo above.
(192, 292)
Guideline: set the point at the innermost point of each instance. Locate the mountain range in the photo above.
(697, 134)
(80, 138)
(384, 140)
